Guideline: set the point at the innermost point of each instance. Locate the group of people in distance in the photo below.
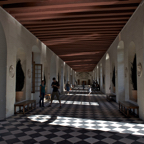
(95, 86)
(55, 85)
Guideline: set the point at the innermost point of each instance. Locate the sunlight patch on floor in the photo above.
(111, 126)
(85, 94)
(76, 102)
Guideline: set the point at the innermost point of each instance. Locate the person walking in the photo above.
(42, 94)
(83, 84)
(90, 90)
(55, 85)
(68, 87)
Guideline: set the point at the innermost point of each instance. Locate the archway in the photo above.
(95, 74)
(59, 72)
(131, 59)
(113, 79)
(107, 74)
(65, 74)
(98, 74)
(120, 72)
(21, 55)
(101, 76)
(3, 71)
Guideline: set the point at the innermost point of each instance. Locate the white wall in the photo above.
(133, 31)
(3, 59)
(18, 37)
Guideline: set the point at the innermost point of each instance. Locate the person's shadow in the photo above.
(52, 119)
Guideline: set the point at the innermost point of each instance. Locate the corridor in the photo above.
(83, 119)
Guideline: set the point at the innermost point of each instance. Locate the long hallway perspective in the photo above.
(83, 119)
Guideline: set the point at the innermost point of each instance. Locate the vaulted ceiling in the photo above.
(78, 31)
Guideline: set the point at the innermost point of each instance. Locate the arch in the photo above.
(21, 54)
(59, 71)
(101, 76)
(107, 56)
(35, 49)
(107, 74)
(3, 71)
(65, 74)
(95, 74)
(98, 74)
(131, 55)
(120, 72)
(36, 57)
(113, 79)
(62, 76)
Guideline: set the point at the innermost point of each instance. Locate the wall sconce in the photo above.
(139, 69)
(29, 73)
(11, 71)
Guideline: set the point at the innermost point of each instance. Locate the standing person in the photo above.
(90, 90)
(67, 87)
(42, 94)
(55, 85)
(83, 84)
(98, 87)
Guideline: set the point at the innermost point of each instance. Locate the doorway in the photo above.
(84, 82)
(78, 82)
(88, 81)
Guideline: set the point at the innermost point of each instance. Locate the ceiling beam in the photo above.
(76, 24)
(51, 4)
(78, 27)
(65, 21)
(79, 9)
(54, 16)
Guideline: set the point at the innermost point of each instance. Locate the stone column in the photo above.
(67, 73)
(73, 77)
(62, 78)
(3, 72)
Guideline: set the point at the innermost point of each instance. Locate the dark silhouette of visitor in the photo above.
(42, 94)
(55, 85)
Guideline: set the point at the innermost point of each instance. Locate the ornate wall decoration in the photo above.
(29, 73)
(139, 69)
(11, 71)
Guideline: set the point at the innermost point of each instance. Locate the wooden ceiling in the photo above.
(78, 31)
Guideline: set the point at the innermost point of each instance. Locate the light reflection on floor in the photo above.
(79, 90)
(111, 126)
(76, 102)
(84, 94)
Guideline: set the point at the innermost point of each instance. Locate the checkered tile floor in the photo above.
(83, 119)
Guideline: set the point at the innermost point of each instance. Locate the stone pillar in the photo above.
(28, 76)
(71, 81)
(73, 77)
(95, 73)
(3, 72)
(67, 73)
(62, 78)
